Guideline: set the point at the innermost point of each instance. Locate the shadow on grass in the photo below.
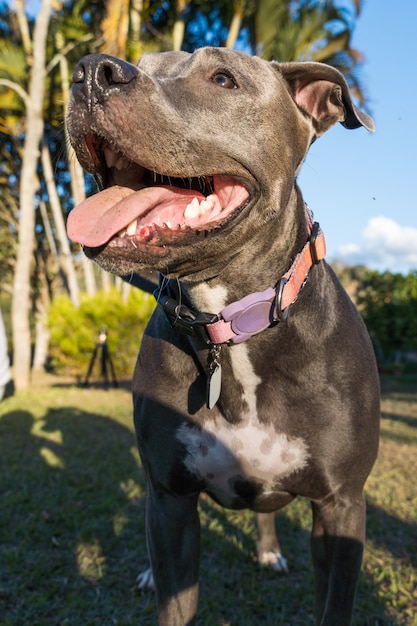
(395, 536)
(72, 537)
(399, 410)
(245, 594)
(71, 519)
(399, 417)
(399, 387)
(95, 383)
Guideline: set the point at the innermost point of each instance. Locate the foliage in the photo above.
(388, 303)
(73, 523)
(311, 30)
(319, 30)
(78, 27)
(74, 332)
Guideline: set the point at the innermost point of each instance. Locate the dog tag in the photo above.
(214, 377)
(214, 385)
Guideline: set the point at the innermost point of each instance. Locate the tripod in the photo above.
(104, 360)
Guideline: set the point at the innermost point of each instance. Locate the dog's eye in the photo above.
(224, 80)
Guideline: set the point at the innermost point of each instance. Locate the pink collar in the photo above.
(254, 313)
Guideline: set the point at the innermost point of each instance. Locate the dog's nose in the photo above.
(100, 72)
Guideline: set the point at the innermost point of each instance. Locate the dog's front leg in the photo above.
(337, 541)
(267, 544)
(173, 536)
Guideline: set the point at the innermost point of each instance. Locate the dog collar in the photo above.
(252, 314)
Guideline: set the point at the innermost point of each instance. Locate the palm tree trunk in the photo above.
(65, 257)
(27, 191)
(115, 27)
(136, 8)
(179, 25)
(77, 176)
(40, 353)
(235, 25)
(23, 27)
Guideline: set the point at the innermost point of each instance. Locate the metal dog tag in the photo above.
(214, 377)
(214, 385)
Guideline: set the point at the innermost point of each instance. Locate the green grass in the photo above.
(72, 523)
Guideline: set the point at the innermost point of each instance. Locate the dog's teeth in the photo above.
(168, 224)
(197, 209)
(131, 229)
(192, 209)
(122, 233)
(207, 204)
(110, 156)
(115, 159)
(121, 163)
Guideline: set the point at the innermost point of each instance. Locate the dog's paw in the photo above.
(145, 581)
(275, 561)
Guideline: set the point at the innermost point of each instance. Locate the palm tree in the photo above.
(310, 30)
(25, 77)
(285, 30)
(28, 188)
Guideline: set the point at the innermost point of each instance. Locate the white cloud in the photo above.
(386, 245)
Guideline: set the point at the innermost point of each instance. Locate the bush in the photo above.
(388, 303)
(74, 332)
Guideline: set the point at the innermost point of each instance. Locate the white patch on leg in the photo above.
(145, 581)
(275, 561)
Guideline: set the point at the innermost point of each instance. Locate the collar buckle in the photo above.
(280, 312)
(183, 319)
(314, 235)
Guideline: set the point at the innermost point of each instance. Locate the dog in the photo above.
(256, 380)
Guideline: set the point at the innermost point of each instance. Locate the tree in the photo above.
(26, 77)
(28, 187)
(310, 30)
(285, 30)
(35, 60)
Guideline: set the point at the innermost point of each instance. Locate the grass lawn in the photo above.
(72, 523)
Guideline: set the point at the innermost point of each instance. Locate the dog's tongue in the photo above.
(100, 217)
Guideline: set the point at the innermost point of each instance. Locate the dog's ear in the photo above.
(323, 93)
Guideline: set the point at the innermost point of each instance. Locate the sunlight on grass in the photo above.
(131, 489)
(119, 524)
(51, 458)
(396, 582)
(90, 560)
(37, 431)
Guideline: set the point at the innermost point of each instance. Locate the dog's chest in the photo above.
(238, 463)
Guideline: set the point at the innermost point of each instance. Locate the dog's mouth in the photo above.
(140, 206)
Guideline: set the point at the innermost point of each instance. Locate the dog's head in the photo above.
(193, 151)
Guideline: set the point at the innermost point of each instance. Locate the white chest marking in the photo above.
(246, 375)
(210, 299)
(219, 453)
(213, 299)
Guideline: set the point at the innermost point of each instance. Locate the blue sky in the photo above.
(361, 186)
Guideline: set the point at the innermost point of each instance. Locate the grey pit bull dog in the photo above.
(256, 380)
